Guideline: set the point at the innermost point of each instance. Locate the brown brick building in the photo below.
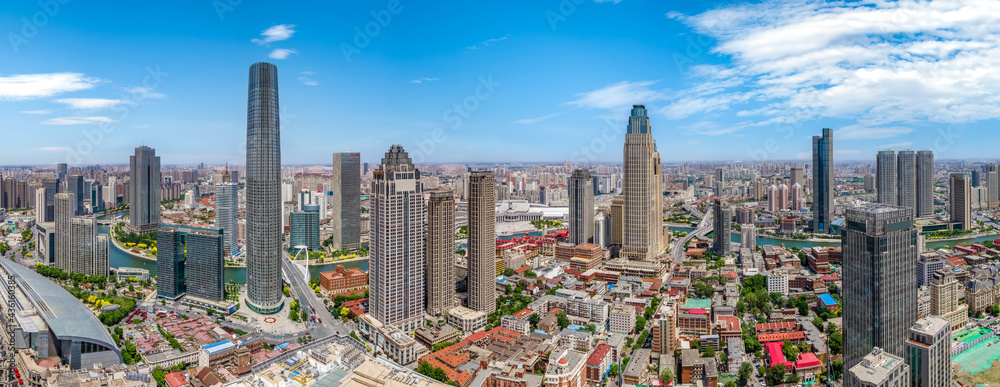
(343, 280)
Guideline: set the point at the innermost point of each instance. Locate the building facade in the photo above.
(441, 252)
(144, 190)
(886, 179)
(959, 199)
(642, 188)
(581, 207)
(482, 242)
(823, 204)
(928, 352)
(227, 209)
(723, 219)
(925, 183)
(346, 201)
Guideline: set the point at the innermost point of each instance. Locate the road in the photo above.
(300, 289)
(703, 229)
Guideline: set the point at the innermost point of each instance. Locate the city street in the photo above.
(300, 289)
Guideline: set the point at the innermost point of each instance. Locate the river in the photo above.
(119, 258)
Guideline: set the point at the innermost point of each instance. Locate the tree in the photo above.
(775, 375)
(344, 312)
(562, 319)
(508, 272)
(640, 323)
(818, 322)
(836, 342)
(792, 378)
(432, 372)
(534, 319)
(838, 368)
(614, 370)
(709, 351)
(790, 350)
(744, 374)
(666, 376)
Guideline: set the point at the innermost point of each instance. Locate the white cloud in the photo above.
(30, 86)
(139, 93)
(275, 33)
(306, 78)
(281, 53)
(38, 112)
(617, 96)
(529, 121)
(608, 1)
(91, 103)
(883, 63)
(487, 42)
(77, 120)
(894, 145)
(422, 80)
(53, 149)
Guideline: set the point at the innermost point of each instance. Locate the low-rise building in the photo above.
(343, 280)
(622, 318)
(467, 320)
(518, 322)
(598, 363)
(566, 368)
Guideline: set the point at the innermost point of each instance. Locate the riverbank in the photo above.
(127, 251)
(818, 240)
(962, 238)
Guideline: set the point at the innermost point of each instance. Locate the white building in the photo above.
(879, 369)
(777, 282)
(621, 318)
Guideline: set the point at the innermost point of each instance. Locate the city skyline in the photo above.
(712, 106)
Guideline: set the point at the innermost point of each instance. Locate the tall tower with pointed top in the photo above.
(643, 190)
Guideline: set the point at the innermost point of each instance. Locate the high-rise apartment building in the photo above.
(64, 206)
(928, 352)
(886, 180)
(797, 176)
(643, 190)
(581, 207)
(61, 170)
(617, 220)
(823, 202)
(993, 184)
(722, 222)
(959, 199)
(346, 201)
(482, 242)
(74, 185)
(748, 237)
(441, 252)
(906, 173)
(944, 299)
(925, 183)
(880, 280)
(227, 209)
(144, 190)
(397, 262)
(87, 254)
(41, 210)
(263, 191)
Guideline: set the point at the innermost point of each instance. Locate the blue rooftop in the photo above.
(827, 299)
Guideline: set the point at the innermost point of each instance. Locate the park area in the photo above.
(975, 365)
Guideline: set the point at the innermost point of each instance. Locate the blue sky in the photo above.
(540, 80)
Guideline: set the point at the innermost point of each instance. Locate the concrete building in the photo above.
(144, 190)
(880, 281)
(63, 208)
(993, 183)
(822, 182)
(621, 318)
(397, 263)
(566, 369)
(74, 185)
(772, 199)
(928, 352)
(906, 173)
(227, 210)
(263, 191)
(878, 369)
(643, 211)
(88, 251)
(944, 299)
(466, 320)
(581, 207)
(441, 252)
(748, 237)
(797, 176)
(189, 261)
(959, 200)
(617, 220)
(925, 183)
(886, 178)
(482, 242)
(304, 228)
(928, 263)
(346, 201)
(777, 282)
(723, 220)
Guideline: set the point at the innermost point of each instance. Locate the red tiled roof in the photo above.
(523, 313)
(807, 360)
(770, 337)
(598, 355)
(780, 326)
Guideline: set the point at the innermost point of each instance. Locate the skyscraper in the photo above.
(944, 299)
(397, 262)
(170, 262)
(144, 190)
(441, 252)
(304, 228)
(797, 176)
(643, 190)
(782, 197)
(722, 222)
(482, 242)
(205, 264)
(797, 198)
(61, 170)
(263, 191)
(41, 210)
(617, 220)
(346, 201)
(64, 206)
(976, 178)
(959, 199)
(880, 280)
(993, 184)
(51, 186)
(720, 181)
(925, 183)
(581, 207)
(886, 180)
(102, 255)
(906, 172)
(823, 204)
(227, 209)
(928, 352)
(81, 246)
(74, 185)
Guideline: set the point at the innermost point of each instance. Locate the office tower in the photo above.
(205, 264)
(617, 220)
(976, 178)
(772, 199)
(305, 198)
(720, 181)
(925, 183)
(144, 190)
(722, 222)
(602, 228)
(74, 185)
(263, 191)
(782, 197)
(906, 185)
(81, 246)
(581, 207)
(61, 170)
(227, 209)
(823, 203)
(993, 184)
(643, 190)
(878, 368)
(396, 277)
(886, 180)
(304, 228)
(928, 352)
(440, 252)
(869, 180)
(880, 279)
(102, 255)
(797, 176)
(170, 263)
(748, 237)
(959, 200)
(346, 201)
(944, 299)
(41, 210)
(798, 199)
(64, 205)
(96, 196)
(482, 242)
(51, 186)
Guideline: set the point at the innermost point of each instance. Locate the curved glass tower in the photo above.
(263, 191)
